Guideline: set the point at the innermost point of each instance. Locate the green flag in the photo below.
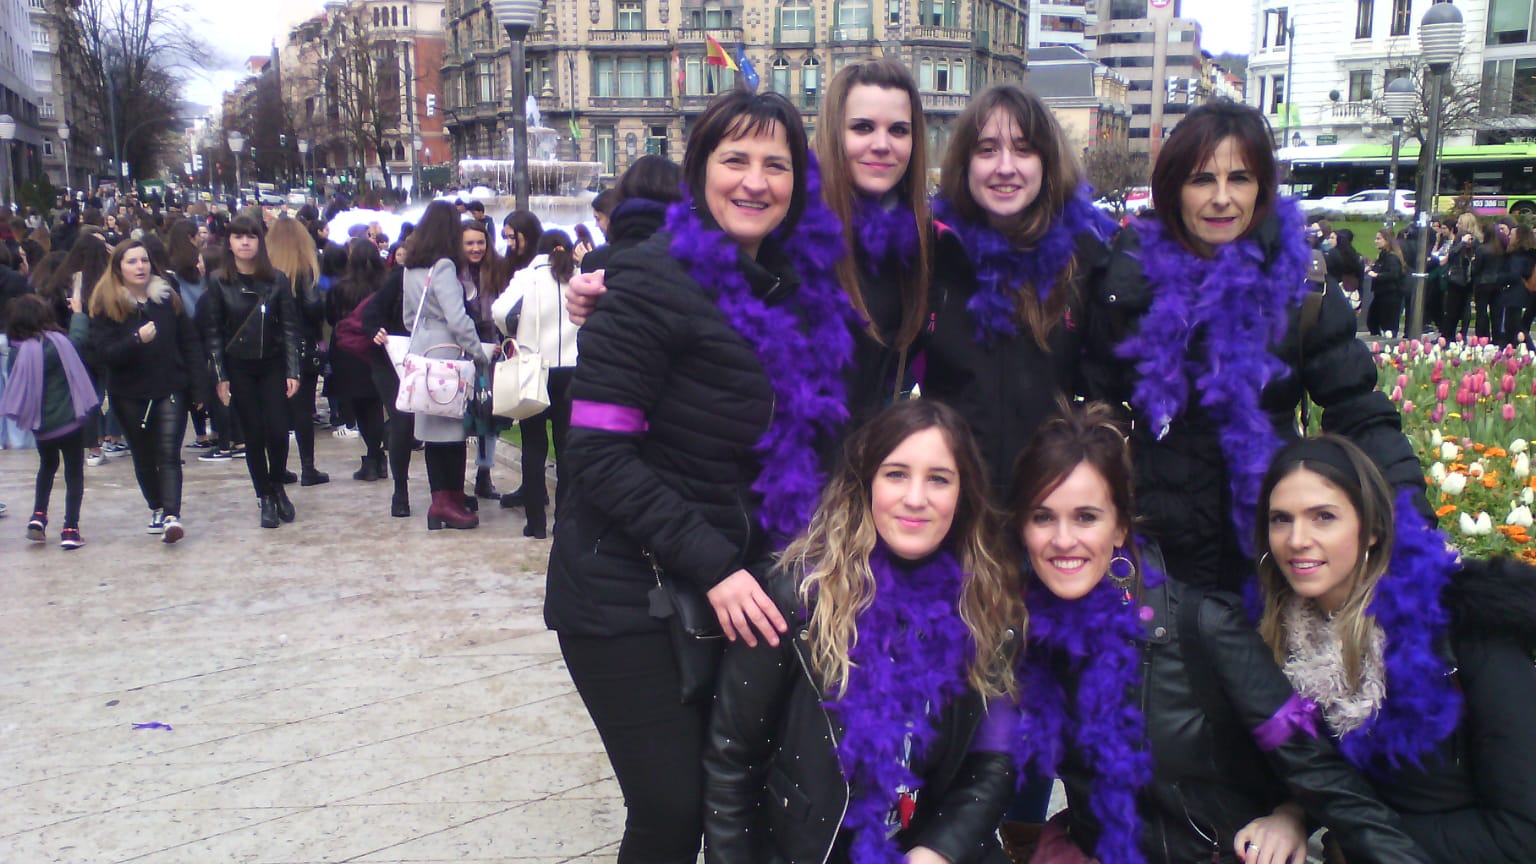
(575, 130)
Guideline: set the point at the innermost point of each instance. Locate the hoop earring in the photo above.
(1122, 571)
(1260, 563)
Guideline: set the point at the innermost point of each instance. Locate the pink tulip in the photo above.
(1407, 406)
(1443, 391)
(1465, 399)
(1507, 384)
(1397, 394)
(1486, 389)
(1508, 412)
(1402, 380)
(1455, 362)
(1440, 341)
(1438, 414)
(1375, 347)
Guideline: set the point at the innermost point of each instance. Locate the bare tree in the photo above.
(1460, 98)
(360, 83)
(1114, 170)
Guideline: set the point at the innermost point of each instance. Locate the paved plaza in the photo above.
(348, 688)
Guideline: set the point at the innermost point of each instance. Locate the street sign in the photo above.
(1327, 139)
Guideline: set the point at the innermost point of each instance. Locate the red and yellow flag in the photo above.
(717, 56)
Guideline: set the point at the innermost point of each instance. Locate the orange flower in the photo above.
(1515, 533)
(1491, 479)
(1528, 555)
(1495, 453)
(1479, 447)
(1456, 468)
(1445, 511)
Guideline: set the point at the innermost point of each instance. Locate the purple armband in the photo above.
(1296, 715)
(608, 418)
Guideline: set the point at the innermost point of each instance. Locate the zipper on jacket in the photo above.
(261, 333)
(832, 738)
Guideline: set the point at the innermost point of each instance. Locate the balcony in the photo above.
(694, 103)
(1353, 110)
(852, 35)
(940, 35)
(982, 41)
(620, 39)
(726, 36)
(631, 103)
(543, 36)
(484, 48)
(793, 36)
(947, 103)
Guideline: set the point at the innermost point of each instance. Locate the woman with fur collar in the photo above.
(149, 349)
(1420, 665)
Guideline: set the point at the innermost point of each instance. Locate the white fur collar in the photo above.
(159, 291)
(1315, 667)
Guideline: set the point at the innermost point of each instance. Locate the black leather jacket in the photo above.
(1209, 777)
(774, 792)
(250, 319)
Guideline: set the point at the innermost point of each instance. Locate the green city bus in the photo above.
(1502, 177)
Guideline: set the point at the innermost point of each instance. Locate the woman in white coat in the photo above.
(534, 301)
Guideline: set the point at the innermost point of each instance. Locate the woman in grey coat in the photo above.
(434, 313)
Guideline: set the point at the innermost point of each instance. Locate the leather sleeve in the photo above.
(1316, 776)
(753, 690)
(293, 328)
(972, 807)
(626, 349)
(1499, 684)
(211, 317)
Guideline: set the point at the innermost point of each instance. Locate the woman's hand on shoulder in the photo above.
(581, 295)
(1279, 838)
(742, 605)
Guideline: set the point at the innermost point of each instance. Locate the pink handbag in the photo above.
(435, 386)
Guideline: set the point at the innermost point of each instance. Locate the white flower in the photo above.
(1476, 526)
(1522, 465)
(1519, 516)
(1519, 445)
(1435, 438)
(1528, 496)
(1454, 484)
(1475, 469)
(1449, 451)
(1437, 471)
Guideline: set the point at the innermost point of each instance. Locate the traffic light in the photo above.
(197, 161)
(282, 140)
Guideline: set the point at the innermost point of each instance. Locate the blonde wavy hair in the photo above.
(1371, 497)
(833, 554)
(292, 250)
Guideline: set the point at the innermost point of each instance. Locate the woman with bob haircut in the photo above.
(293, 253)
(1197, 325)
(1177, 737)
(252, 327)
(645, 190)
(434, 309)
(906, 623)
(1019, 239)
(151, 358)
(710, 372)
(1419, 665)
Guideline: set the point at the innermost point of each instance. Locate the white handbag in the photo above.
(520, 387)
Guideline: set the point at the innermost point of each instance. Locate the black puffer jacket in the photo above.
(774, 792)
(1005, 391)
(1182, 488)
(252, 319)
(1209, 777)
(657, 344)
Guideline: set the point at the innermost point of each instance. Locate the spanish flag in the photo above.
(716, 56)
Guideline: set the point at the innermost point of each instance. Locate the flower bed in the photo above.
(1468, 409)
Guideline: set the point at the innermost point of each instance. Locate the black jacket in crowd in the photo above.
(1007, 390)
(1182, 491)
(252, 320)
(311, 308)
(385, 310)
(1474, 799)
(168, 365)
(1389, 275)
(1487, 269)
(12, 285)
(633, 221)
(774, 792)
(1209, 777)
(682, 490)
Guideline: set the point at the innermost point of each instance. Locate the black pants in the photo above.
(199, 421)
(1456, 320)
(400, 431)
(154, 429)
(445, 465)
(70, 449)
(1483, 300)
(655, 743)
(301, 418)
(370, 425)
(1507, 319)
(1386, 312)
(258, 395)
(536, 444)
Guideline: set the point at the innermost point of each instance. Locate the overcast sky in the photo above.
(238, 30)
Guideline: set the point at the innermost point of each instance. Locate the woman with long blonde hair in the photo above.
(906, 623)
(292, 251)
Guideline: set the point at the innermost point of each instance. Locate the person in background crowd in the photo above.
(1387, 288)
(83, 268)
(521, 230)
(908, 619)
(605, 201)
(382, 318)
(50, 394)
(227, 440)
(149, 350)
(1419, 663)
(477, 214)
(484, 274)
(293, 254)
(1488, 276)
(638, 208)
(1458, 276)
(351, 378)
(252, 330)
(1513, 308)
(583, 242)
(189, 277)
(1346, 265)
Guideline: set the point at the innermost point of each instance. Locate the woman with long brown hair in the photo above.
(293, 254)
(1387, 289)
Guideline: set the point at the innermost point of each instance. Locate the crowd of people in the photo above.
(816, 619)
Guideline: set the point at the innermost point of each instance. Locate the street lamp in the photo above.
(304, 159)
(236, 144)
(1440, 34)
(64, 137)
(1399, 100)
(416, 145)
(7, 134)
(518, 16)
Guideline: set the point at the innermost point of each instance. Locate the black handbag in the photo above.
(697, 640)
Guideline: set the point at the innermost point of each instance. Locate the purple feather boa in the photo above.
(1209, 328)
(885, 233)
(1001, 270)
(1097, 638)
(1423, 705)
(908, 663)
(803, 344)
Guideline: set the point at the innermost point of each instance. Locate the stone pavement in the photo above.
(348, 688)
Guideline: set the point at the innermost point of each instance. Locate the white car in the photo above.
(1370, 202)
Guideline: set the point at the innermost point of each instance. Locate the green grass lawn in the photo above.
(1365, 235)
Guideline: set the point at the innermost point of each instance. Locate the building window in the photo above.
(1508, 22)
(630, 15)
(779, 83)
(1281, 16)
(1276, 93)
(810, 79)
(47, 146)
(602, 136)
(487, 83)
(632, 78)
(941, 76)
(795, 16)
(405, 16)
(1364, 11)
(1401, 12)
(893, 13)
(939, 13)
(40, 37)
(656, 141)
(702, 79)
(711, 17)
(853, 14)
(1395, 73)
(1360, 86)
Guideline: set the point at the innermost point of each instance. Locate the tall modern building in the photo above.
(1508, 97)
(1159, 53)
(617, 79)
(1062, 22)
(18, 93)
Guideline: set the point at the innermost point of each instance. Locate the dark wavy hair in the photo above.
(528, 229)
(437, 236)
(743, 114)
(656, 178)
(1086, 434)
(1193, 141)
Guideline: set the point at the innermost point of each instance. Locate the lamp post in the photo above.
(1399, 101)
(416, 145)
(7, 134)
(64, 137)
(99, 155)
(1440, 34)
(518, 16)
(304, 160)
(237, 144)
